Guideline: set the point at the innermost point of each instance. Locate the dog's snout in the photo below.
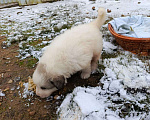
(38, 93)
(42, 96)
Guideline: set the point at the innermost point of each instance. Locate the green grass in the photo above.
(31, 62)
(109, 55)
(28, 62)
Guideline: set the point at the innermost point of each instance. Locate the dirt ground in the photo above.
(14, 72)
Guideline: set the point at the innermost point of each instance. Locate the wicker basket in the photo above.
(140, 46)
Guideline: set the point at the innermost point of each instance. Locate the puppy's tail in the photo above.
(101, 18)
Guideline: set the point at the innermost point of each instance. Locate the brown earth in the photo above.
(14, 72)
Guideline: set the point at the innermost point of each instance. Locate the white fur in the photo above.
(77, 49)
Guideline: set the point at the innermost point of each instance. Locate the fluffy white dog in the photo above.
(77, 49)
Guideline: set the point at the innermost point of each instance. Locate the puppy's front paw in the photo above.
(85, 75)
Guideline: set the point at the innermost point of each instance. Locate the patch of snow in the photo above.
(26, 92)
(128, 68)
(1, 93)
(82, 104)
(109, 47)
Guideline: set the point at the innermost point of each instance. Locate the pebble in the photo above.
(122, 15)
(45, 106)
(19, 12)
(32, 113)
(38, 22)
(108, 11)
(10, 81)
(56, 97)
(17, 79)
(28, 110)
(2, 75)
(93, 8)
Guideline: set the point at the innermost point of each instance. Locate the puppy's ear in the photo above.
(58, 82)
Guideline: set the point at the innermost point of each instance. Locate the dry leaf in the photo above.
(31, 85)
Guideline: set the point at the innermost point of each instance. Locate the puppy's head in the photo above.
(45, 83)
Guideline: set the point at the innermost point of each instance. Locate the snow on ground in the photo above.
(1, 94)
(123, 93)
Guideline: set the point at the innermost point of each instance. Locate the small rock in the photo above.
(56, 97)
(19, 12)
(17, 79)
(122, 15)
(93, 8)
(38, 22)
(2, 75)
(45, 106)
(108, 11)
(10, 81)
(139, 2)
(28, 110)
(9, 108)
(9, 20)
(4, 45)
(32, 113)
(4, 58)
(45, 18)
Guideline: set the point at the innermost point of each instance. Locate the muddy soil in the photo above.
(14, 72)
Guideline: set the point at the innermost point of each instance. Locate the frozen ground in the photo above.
(123, 93)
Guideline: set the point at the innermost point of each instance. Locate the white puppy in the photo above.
(77, 49)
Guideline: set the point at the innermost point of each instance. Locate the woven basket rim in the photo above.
(126, 37)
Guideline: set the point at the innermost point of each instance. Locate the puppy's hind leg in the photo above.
(94, 63)
(86, 72)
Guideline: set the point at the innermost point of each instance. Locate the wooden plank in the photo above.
(8, 5)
